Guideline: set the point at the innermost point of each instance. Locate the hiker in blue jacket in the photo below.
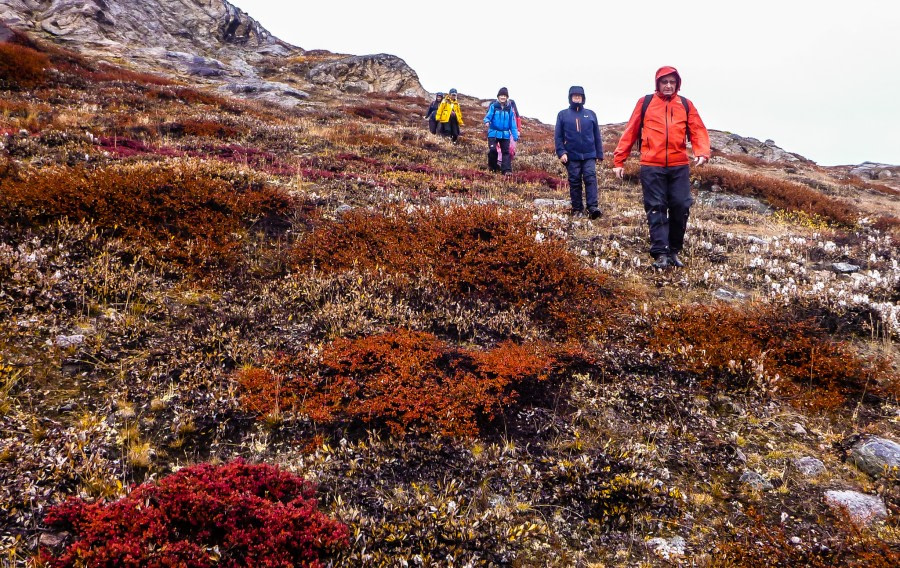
(578, 146)
(500, 122)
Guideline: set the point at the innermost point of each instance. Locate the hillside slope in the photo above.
(471, 376)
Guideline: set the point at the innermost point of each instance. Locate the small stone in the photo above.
(809, 466)
(52, 540)
(757, 241)
(551, 203)
(795, 540)
(756, 481)
(343, 209)
(729, 295)
(844, 268)
(862, 508)
(69, 340)
(667, 548)
(797, 429)
(723, 404)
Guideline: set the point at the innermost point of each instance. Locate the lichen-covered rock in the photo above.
(809, 466)
(755, 481)
(732, 144)
(381, 73)
(877, 456)
(862, 508)
(202, 26)
(844, 268)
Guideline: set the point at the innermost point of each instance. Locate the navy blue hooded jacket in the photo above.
(578, 131)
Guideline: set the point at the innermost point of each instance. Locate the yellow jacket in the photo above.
(447, 107)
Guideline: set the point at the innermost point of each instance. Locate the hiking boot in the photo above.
(661, 262)
(674, 261)
(595, 212)
(576, 212)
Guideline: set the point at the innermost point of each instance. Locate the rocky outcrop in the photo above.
(873, 171)
(118, 27)
(367, 74)
(206, 41)
(732, 144)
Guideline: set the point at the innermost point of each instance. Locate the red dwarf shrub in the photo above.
(782, 194)
(21, 67)
(183, 213)
(476, 253)
(723, 344)
(541, 177)
(230, 515)
(404, 380)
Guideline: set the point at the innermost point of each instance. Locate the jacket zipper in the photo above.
(577, 124)
(666, 149)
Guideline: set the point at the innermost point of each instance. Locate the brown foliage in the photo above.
(21, 67)
(379, 112)
(403, 380)
(782, 194)
(475, 253)
(207, 129)
(764, 544)
(854, 181)
(186, 215)
(888, 224)
(723, 344)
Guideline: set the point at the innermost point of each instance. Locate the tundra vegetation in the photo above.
(241, 335)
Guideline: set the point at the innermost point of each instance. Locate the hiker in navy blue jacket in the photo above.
(579, 146)
(432, 112)
(500, 122)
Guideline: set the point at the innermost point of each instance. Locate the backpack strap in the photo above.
(647, 99)
(687, 115)
(644, 106)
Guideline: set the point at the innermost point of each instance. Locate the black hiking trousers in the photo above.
(667, 202)
(506, 163)
(582, 173)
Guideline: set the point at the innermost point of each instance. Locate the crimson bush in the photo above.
(230, 515)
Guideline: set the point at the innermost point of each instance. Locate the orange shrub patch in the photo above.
(185, 215)
(21, 67)
(782, 194)
(403, 380)
(476, 253)
(736, 347)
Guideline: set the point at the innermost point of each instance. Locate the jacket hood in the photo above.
(576, 90)
(662, 72)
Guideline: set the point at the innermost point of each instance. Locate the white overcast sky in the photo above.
(819, 78)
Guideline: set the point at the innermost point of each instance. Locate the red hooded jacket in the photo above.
(663, 142)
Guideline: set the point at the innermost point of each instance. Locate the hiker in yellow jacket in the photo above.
(449, 116)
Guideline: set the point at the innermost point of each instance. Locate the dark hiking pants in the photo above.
(582, 173)
(506, 165)
(432, 124)
(452, 128)
(667, 201)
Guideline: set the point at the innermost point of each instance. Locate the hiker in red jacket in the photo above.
(662, 122)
